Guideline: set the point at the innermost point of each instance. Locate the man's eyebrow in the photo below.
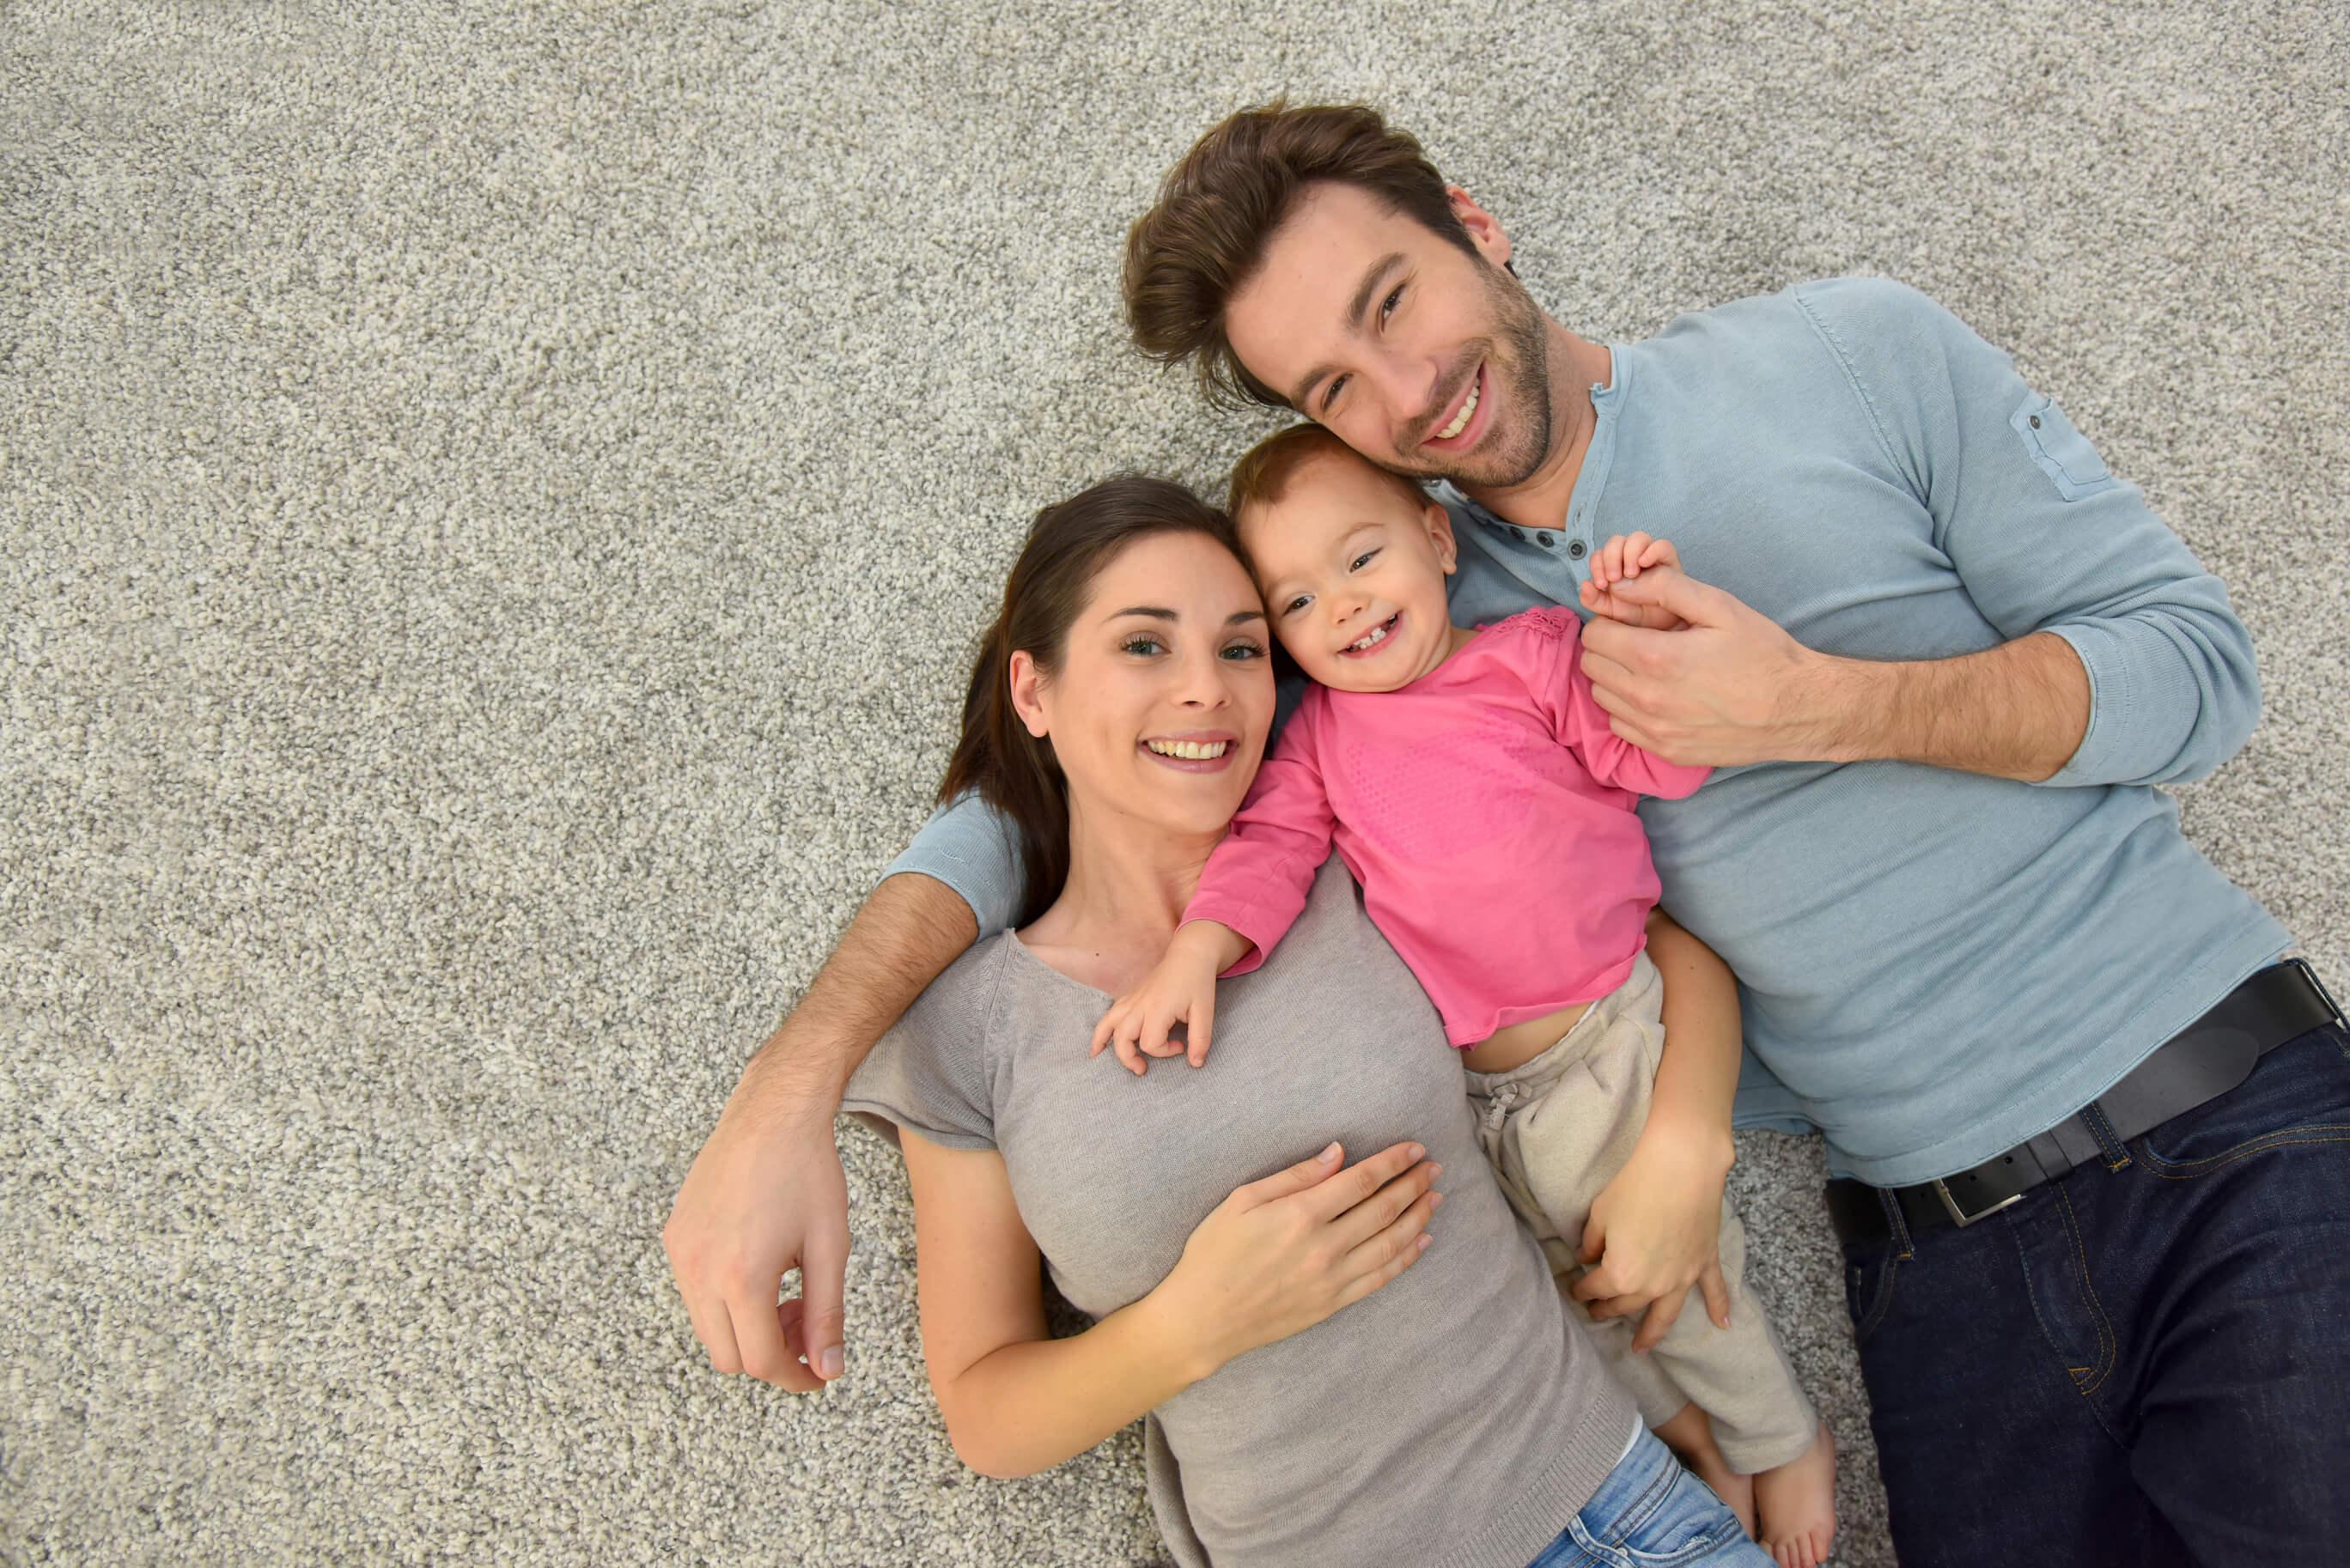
(1355, 309)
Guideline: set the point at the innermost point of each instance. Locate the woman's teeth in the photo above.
(1191, 751)
(1461, 421)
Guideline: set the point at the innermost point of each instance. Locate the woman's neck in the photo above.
(1128, 882)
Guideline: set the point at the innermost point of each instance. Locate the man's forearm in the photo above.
(2015, 711)
(910, 930)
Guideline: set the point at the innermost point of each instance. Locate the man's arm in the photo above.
(766, 1194)
(2124, 664)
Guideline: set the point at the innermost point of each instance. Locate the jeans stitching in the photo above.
(2108, 1347)
(1883, 1301)
(2189, 1170)
(2109, 1143)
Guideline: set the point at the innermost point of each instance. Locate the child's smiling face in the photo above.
(1353, 571)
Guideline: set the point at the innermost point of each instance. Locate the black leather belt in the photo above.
(2199, 1064)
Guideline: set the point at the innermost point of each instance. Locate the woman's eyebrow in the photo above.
(1157, 612)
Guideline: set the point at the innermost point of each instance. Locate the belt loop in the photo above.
(2092, 1116)
(1897, 1222)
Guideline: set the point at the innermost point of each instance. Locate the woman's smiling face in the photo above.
(1160, 700)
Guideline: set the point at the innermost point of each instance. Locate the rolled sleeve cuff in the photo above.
(967, 847)
(2102, 757)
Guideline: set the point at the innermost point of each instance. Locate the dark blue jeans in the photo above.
(2145, 1363)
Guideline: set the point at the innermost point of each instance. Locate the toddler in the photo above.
(1471, 783)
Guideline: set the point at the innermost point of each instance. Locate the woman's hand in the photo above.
(1181, 990)
(1655, 1231)
(1282, 1254)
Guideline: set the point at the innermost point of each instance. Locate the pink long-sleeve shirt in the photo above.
(1486, 809)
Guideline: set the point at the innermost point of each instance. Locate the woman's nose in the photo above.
(1204, 684)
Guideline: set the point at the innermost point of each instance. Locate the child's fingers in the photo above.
(1107, 1028)
(1202, 1022)
(1660, 553)
(1128, 1038)
(1635, 550)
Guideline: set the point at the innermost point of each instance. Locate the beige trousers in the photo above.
(1556, 1129)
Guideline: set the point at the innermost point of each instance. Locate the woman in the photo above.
(1211, 1221)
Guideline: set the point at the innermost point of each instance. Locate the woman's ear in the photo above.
(1026, 679)
(1438, 523)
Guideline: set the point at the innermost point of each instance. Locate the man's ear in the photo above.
(1483, 228)
(1026, 679)
(1438, 523)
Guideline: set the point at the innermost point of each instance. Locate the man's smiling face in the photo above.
(1423, 357)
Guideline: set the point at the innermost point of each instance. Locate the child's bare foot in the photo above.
(1690, 1435)
(1796, 1505)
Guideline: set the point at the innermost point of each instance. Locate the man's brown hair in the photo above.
(1205, 236)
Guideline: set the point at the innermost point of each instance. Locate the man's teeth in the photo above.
(1191, 751)
(1371, 638)
(1461, 421)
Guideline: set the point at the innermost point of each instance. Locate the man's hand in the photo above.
(1726, 688)
(1621, 559)
(1654, 1231)
(765, 1194)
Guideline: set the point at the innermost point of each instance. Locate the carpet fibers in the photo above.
(496, 499)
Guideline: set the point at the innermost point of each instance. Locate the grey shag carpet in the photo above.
(496, 500)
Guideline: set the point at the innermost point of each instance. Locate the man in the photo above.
(2092, 1141)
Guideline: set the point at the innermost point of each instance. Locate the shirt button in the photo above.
(2035, 422)
(1544, 540)
(1517, 533)
(1575, 548)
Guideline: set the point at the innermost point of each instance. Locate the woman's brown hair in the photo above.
(1206, 235)
(1068, 544)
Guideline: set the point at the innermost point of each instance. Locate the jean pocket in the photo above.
(1868, 1276)
(1686, 1524)
(2297, 1098)
(2060, 451)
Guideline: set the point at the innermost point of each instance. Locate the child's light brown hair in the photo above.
(1264, 473)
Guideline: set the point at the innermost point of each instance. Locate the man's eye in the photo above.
(1331, 396)
(1362, 560)
(1387, 309)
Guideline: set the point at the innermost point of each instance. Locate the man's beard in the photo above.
(1523, 425)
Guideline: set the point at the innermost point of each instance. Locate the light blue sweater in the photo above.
(1934, 965)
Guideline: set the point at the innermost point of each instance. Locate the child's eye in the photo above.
(1142, 646)
(1294, 605)
(1361, 561)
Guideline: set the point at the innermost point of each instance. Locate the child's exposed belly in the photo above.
(1521, 1043)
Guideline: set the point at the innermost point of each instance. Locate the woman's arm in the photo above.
(1277, 1256)
(1656, 1228)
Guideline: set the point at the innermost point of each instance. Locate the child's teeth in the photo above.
(1461, 421)
(1376, 636)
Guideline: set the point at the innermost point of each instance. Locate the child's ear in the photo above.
(1439, 523)
(1026, 678)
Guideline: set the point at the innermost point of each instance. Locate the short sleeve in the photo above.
(930, 1072)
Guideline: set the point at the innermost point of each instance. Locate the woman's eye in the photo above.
(1143, 646)
(1242, 652)
(1362, 560)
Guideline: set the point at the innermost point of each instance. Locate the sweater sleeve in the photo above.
(1257, 880)
(2046, 538)
(1580, 723)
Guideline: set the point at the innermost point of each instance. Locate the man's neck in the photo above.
(1575, 366)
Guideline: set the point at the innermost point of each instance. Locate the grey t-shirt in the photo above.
(1457, 1418)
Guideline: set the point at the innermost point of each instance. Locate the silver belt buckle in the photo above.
(1959, 1215)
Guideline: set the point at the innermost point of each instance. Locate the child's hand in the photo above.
(1181, 990)
(1654, 1231)
(1628, 556)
